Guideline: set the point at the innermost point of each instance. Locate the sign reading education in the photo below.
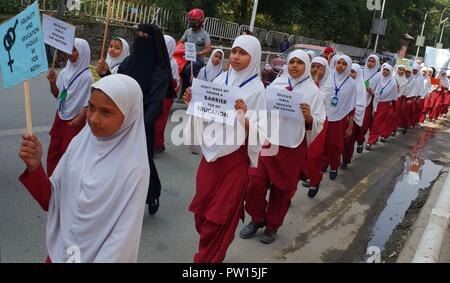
(190, 53)
(58, 34)
(214, 102)
(286, 102)
(22, 50)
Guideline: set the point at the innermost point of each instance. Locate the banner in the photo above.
(437, 58)
(22, 49)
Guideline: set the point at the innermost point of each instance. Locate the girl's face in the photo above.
(217, 58)
(371, 63)
(315, 67)
(386, 72)
(74, 56)
(115, 48)
(353, 74)
(296, 68)
(408, 74)
(341, 66)
(103, 115)
(430, 73)
(239, 59)
(401, 71)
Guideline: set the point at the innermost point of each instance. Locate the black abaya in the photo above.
(149, 65)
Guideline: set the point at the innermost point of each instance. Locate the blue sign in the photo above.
(22, 49)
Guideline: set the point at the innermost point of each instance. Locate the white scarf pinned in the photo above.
(100, 185)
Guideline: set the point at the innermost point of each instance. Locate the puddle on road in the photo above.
(417, 174)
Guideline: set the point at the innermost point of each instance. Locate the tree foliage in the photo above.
(347, 22)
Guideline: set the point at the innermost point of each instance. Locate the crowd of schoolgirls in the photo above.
(100, 172)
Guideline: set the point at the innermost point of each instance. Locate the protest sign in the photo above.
(213, 101)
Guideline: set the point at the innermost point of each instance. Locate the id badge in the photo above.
(334, 101)
(367, 84)
(63, 95)
(62, 98)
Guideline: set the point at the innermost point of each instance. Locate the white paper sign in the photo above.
(58, 34)
(190, 53)
(284, 101)
(437, 58)
(214, 102)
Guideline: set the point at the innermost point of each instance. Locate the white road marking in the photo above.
(18, 132)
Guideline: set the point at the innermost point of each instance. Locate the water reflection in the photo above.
(417, 175)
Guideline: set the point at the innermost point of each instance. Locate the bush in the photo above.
(9, 7)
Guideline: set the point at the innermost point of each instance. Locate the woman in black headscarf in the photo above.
(149, 65)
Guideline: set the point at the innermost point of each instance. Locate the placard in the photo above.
(214, 102)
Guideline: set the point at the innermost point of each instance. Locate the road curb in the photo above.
(430, 245)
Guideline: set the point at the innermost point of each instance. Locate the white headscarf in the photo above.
(402, 82)
(372, 75)
(322, 61)
(171, 45)
(79, 91)
(333, 63)
(347, 94)
(361, 96)
(418, 80)
(100, 185)
(444, 80)
(311, 54)
(114, 63)
(387, 89)
(290, 133)
(211, 72)
(411, 87)
(426, 82)
(368, 73)
(215, 145)
(253, 47)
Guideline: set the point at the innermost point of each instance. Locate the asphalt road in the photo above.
(333, 227)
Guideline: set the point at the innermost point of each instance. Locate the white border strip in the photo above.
(18, 132)
(430, 245)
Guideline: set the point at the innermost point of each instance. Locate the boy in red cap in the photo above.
(328, 53)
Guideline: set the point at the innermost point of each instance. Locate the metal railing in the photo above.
(268, 54)
(128, 12)
(274, 38)
(259, 33)
(122, 11)
(221, 29)
(171, 20)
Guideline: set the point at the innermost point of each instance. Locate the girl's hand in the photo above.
(77, 121)
(187, 97)
(52, 77)
(240, 106)
(320, 74)
(102, 67)
(348, 131)
(306, 111)
(31, 152)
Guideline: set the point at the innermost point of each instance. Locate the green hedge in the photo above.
(9, 7)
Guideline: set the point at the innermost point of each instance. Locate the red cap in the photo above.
(196, 14)
(329, 50)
